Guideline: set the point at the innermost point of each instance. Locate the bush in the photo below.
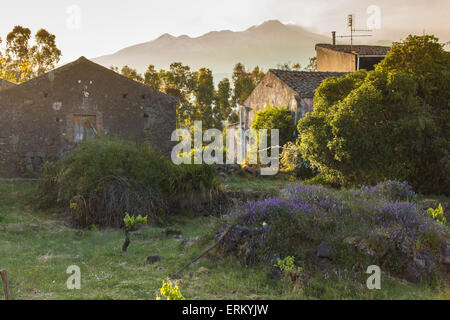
(276, 118)
(368, 127)
(108, 177)
(305, 216)
(391, 190)
(292, 161)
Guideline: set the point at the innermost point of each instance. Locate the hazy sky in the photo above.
(97, 27)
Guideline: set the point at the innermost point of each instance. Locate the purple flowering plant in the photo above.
(310, 214)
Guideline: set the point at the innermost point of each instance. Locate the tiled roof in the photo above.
(360, 50)
(303, 82)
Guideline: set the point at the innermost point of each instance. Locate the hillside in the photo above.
(266, 45)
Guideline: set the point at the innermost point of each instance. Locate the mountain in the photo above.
(266, 45)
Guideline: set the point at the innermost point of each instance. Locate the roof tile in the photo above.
(303, 82)
(360, 50)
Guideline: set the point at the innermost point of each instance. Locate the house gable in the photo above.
(42, 118)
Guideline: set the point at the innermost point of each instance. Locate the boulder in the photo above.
(323, 250)
(172, 232)
(153, 258)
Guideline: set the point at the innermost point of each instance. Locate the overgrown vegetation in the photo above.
(108, 177)
(383, 225)
(276, 118)
(291, 160)
(37, 249)
(389, 123)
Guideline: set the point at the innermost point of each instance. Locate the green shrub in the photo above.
(369, 127)
(292, 161)
(276, 118)
(107, 177)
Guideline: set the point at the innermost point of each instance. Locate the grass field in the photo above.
(36, 248)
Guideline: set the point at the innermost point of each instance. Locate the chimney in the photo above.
(333, 35)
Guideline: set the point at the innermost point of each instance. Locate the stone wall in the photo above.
(334, 61)
(271, 91)
(5, 84)
(38, 118)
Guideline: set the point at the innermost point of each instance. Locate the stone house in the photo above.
(43, 118)
(5, 84)
(282, 88)
(346, 58)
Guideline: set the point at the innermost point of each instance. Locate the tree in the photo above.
(152, 78)
(234, 117)
(178, 81)
(425, 59)
(222, 102)
(204, 97)
(131, 73)
(290, 66)
(243, 84)
(22, 60)
(277, 118)
(257, 75)
(44, 53)
(371, 126)
(312, 65)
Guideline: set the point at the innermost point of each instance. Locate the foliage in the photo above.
(171, 291)
(198, 99)
(222, 100)
(292, 161)
(106, 177)
(304, 216)
(227, 279)
(287, 266)
(391, 190)
(438, 214)
(276, 118)
(22, 60)
(372, 126)
(291, 271)
(131, 73)
(243, 84)
(152, 78)
(427, 62)
(312, 65)
(290, 66)
(133, 222)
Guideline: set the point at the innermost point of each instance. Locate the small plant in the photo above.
(438, 214)
(171, 291)
(131, 224)
(288, 267)
(291, 271)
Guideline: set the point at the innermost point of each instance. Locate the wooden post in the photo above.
(4, 276)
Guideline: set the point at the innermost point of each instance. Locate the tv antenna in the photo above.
(351, 25)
